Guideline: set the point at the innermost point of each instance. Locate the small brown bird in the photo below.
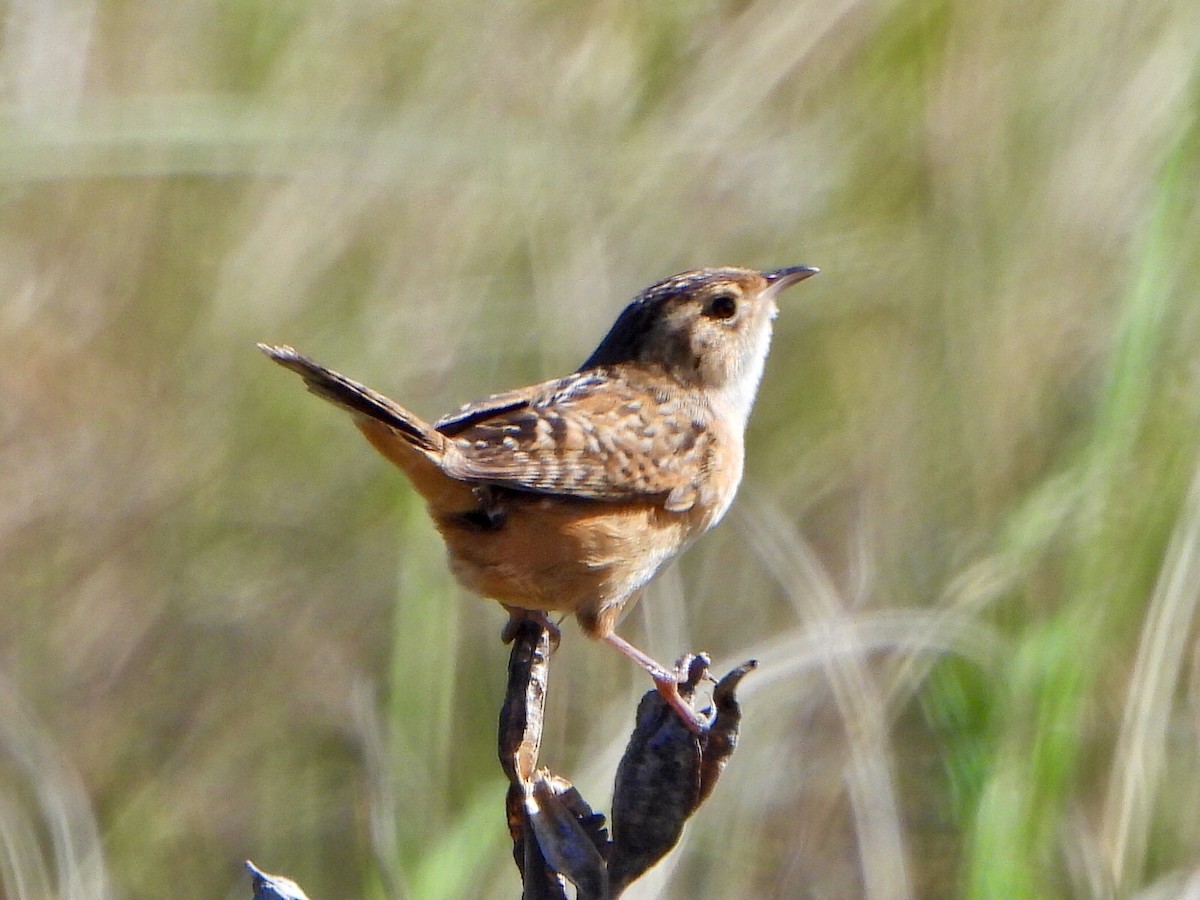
(572, 495)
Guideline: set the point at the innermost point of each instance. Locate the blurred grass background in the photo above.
(967, 552)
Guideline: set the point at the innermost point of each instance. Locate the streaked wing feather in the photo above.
(586, 436)
(455, 423)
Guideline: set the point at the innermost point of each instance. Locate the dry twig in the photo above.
(666, 773)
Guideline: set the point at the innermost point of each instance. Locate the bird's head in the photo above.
(707, 328)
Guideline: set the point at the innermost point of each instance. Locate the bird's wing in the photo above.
(587, 435)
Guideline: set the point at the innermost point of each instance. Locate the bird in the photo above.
(571, 495)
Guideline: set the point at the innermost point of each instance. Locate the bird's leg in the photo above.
(666, 680)
(517, 616)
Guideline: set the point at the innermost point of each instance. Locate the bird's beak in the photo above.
(779, 279)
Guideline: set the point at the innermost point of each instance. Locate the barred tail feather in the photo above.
(357, 398)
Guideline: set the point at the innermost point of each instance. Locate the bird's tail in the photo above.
(359, 399)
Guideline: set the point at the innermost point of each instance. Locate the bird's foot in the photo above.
(667, 681)
(668, 689)
(517, 616)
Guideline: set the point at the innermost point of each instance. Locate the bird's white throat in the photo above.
(738, 393)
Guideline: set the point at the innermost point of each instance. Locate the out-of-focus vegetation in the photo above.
(967, 552)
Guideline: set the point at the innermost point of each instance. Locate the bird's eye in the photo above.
(722, 306)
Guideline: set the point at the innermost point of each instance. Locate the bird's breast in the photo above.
(564, 554)
(723, 473)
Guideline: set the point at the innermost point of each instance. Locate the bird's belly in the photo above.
(566, 555)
